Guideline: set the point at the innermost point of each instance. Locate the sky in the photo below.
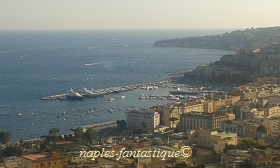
(137, 14)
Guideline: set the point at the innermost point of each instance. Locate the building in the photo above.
(243, 128)
(12, 162)
(170, 112)
(257, 158)
(272, 111)
(232, 126)
(197, 120)
(209, 107)
(233, 158)
(139, 120)
(272, 124)
(188, 107)
(211, 139)
(175, 110)
(43, 160)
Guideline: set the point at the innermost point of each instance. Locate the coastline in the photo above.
(163, 83)
(60, 79)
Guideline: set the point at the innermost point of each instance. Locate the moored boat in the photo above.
(72, 95)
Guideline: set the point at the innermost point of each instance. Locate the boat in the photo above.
(87, 93)
(19, 114)
(72, 95)
(142, 96)
(111, 99)
(110, 110)
(122, 97)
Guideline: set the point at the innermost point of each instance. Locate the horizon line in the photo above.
(132, 29)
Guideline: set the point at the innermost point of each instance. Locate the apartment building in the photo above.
(211, 139)
(43, 160)
(138, 120)
(197, 120)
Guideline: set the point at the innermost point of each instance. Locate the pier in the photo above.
(100, 124)
(101, 92)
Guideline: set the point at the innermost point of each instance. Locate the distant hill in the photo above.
(249, 38)
(257, 56)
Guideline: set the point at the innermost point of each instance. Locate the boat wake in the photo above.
(99, 63)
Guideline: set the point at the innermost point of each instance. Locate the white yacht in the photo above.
(86, 92)
(72, 95)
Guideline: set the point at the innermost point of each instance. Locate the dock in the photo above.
(100, 124)
(101, 92)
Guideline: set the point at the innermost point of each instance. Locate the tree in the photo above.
(5, 137)
(53, 135)
(121, 124)
(261, 129)
(90, 135)
(144, 127)
(11, 151)
(247, 164)
(54, 131)
(79, 132)
(173, 119)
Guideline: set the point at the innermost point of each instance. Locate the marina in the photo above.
(89, 93)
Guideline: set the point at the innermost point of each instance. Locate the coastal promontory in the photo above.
(257, 56)
(248, 38)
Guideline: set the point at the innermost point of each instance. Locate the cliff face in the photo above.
(249, 39)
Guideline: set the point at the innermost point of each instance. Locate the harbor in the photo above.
(174, 92)
(90, 93)
(48, 73)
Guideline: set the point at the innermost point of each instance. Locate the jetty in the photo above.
(102, 124)
(101, 92)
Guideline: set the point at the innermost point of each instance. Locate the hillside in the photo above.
(249, 38)
(257, 56)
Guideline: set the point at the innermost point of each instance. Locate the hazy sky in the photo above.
(138, 14)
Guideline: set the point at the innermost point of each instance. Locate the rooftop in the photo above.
(203, 114)
(41, 156)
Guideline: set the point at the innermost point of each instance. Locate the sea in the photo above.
(34, 64)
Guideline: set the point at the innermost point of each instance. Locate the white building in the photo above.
(137, 120)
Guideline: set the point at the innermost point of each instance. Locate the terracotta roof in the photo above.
(40, 156)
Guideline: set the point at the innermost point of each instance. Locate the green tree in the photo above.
(53, 135)
(11, 151)
(79, 132)
(5, 137)
(121, 124)
(54, 131)
(90, 135)
(144, 127)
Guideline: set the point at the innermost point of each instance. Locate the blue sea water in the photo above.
(34, 64)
